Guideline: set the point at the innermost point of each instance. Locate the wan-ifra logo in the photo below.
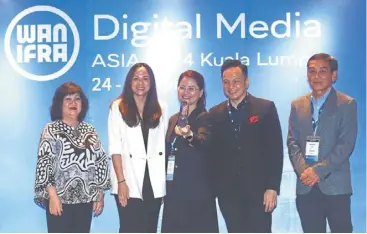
(38, 49)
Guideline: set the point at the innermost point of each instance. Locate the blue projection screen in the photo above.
(94, 43)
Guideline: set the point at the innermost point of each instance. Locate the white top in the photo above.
(129, 143)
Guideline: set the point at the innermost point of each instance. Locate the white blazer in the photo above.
(129, 142)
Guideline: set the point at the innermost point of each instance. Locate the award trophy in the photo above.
(183, 116)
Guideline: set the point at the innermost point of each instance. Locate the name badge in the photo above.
(312, 149)
(170, 167)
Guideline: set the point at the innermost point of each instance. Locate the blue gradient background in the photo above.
(25, 104)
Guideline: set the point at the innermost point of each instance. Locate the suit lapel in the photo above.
(307, 118)
(223, 114)
(248, 112)
(328, 110)
(138, 145)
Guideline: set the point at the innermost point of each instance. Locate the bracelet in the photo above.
(122, 181)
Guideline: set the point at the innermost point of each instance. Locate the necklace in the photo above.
(76, 133)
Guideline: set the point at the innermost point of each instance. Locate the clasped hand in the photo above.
(309, 177)
(183, 131)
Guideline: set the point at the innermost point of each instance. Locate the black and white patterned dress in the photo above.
(74, 163)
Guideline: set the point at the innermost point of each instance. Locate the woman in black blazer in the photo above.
(189, 205)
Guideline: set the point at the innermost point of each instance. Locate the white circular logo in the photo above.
(42, 52)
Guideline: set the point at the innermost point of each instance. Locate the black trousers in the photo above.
(140, 215)
(315, 207)
(198, 216)
(75, 218)
(244, 215)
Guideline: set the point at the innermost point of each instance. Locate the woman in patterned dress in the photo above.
(72, 168)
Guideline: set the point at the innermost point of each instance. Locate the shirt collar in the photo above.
(322, 99)
(240, 105)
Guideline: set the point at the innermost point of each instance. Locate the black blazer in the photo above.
(254, 163)
(191, 180)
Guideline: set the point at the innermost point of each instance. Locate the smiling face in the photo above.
(235, 84)
(140, 84)
(319, 75)
(188, 91)
(71, 106)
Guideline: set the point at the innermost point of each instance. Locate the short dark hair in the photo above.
(229, 63)
(129, 111)
(57, 101)
(199, 79)
(327, 57)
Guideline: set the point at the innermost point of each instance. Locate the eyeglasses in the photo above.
(190, 89)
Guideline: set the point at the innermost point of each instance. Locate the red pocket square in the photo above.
(253, 119)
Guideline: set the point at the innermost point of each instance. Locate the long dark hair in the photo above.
(199, 79)
(129, 111)
(57, 101)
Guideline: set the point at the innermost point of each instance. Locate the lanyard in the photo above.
(172, 148)
(315, 124)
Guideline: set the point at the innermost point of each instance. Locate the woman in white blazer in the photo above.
(136, 134)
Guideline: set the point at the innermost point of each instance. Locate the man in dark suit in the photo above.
(321, 137)
(247, 153)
